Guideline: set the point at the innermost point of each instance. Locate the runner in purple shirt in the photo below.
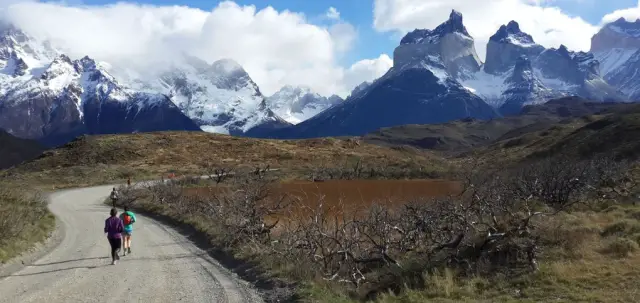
(113, 227)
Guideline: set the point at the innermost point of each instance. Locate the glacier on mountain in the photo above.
(297, 104)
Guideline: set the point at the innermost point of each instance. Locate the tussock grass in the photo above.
(24, 221)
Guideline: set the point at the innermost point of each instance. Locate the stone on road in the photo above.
(163, 267)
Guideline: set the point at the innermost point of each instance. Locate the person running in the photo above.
(113, 227)
(128, 218)
(114, 197)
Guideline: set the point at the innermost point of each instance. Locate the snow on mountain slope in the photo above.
(449, 46)
(56, 101)
(297, 104)
(617, 48)
(543, 73)
(612, 59)
(220, 97)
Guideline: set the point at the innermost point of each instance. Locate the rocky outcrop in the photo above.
(619, 34)
(449, 43)
(617, 47)
(524, 88)
(506, 46)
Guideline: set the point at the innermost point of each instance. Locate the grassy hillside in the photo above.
(615, 133)
(103, 159)
(465, 135)
(15, 150)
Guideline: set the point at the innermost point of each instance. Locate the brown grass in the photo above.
(109, 158)
(24, 221)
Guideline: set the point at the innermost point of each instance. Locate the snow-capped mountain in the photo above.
(617, 47)
(437, 77)
(541, 73)
(420, 88)
(220, 97)
(47, 96)
(297, 104)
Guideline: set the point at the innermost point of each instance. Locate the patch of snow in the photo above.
(630, 31)
(555, 84)
(516, 41)
(215, 129)
(612, 59)
(487, 86)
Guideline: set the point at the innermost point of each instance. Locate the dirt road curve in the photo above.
(163, 267)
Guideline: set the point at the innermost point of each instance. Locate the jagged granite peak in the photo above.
(507, 45)
(618, 35)
(626, 77)
(571, 67)
(511, 33)
(522, 71)
(453, 25)
(524, 88)
(299, 103)
(449, 45)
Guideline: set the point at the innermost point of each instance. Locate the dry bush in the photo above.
(621, 247)
(357, 170)
(494, 226)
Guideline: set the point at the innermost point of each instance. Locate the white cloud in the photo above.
(630, 14)
(367, 70)
(275, 47)
(549, 26)
(343, 35)
(333, 13)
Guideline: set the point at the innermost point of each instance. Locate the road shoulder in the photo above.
(37, 252)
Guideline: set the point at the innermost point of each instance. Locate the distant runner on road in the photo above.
(128, 218)
(113, 227)
(114, 197)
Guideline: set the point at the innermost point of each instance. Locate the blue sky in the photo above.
(277, 49)
(370, 42)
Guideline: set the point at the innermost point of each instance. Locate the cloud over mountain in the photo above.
(549, 25)
(275, 47)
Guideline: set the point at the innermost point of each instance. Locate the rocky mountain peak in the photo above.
(507, 45)
(448, 48)
(523, 70)
(227, 66)
(620, 34)
(453, 25)
(511, 33)
(85, 64)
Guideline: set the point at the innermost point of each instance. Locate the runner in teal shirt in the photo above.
(128, 218)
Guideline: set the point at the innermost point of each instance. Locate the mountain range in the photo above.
(436, 77)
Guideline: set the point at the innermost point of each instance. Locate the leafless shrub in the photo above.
(491, 227)
(371, 171)
(218, 174)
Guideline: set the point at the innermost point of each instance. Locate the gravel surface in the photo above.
(163, 266)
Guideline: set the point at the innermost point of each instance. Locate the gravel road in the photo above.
(163, 266)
